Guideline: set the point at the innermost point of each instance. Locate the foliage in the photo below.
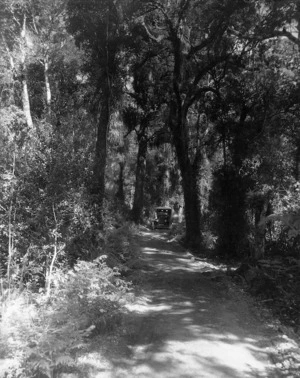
(44, 333)
(228, 203)
(121, 249)
(284, 223)
(176, 232)
(238, 108)
(197, 101)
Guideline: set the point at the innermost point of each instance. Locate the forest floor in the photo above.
(189, 319)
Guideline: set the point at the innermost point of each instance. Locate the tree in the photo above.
(145, 110)
(97, 27)
(52, 42)
(193, 52)
(17, 40)
(254, 121)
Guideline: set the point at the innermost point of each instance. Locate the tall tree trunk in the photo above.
(25, 99)
(138, 201)
(190, 176)
(192, 205)
(166, 184)
(98, 187)
(166, 190)
(25, 95)
(47, 84)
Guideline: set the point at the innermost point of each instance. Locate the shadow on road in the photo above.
(186, 323)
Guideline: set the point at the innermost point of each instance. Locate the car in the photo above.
(163, 218)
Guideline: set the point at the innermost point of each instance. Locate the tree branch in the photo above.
(275, 33)
(198, 94)
(195, 49)
(212, 64)
(150, 35)
(289, 35)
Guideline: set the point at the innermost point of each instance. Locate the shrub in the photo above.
(283, 236)
(90, 295)
(209, 240)
(120, 247)
(177, 231)
(44, 333)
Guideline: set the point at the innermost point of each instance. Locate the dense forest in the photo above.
(109, 109)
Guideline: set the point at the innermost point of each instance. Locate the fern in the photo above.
(46, 332)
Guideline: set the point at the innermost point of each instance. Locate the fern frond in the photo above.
(64, 360)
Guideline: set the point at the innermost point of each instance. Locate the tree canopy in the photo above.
(117, 90)
(110, 109)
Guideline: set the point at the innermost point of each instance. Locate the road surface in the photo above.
(190, 321)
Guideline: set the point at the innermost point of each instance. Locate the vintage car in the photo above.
(163, 218)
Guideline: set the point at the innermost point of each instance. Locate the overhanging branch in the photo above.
(157, 39)
(199, 93)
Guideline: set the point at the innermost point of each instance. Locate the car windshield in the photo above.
(163, 211)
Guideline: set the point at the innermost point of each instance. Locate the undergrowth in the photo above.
(177, 231)
(121, 249)
(42, 333)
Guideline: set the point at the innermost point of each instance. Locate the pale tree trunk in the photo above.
(25, 95)
(166, 184)
(25, 100)
(23, 75)
(47, 84)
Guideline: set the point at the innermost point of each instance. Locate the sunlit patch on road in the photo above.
(187, 323)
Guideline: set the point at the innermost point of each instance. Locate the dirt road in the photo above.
(190, 321)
